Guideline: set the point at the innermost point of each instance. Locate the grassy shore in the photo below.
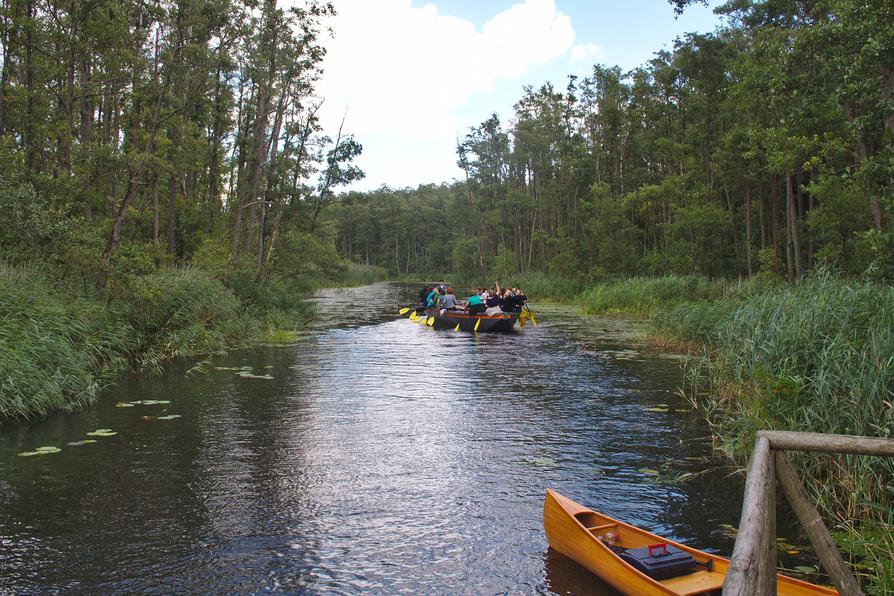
(59, 347)
(818, 356)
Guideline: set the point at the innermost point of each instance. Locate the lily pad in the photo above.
(656, 409)
(226, 368)
(125, 404)
(155, 402)
(29, 453)
(84, 442)
(102, 432)
(649, 471)
(729, 531)
(247, 375)
(169, 417)
(48, 449)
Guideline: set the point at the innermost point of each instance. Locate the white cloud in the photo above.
(404, 72)
(587, 52)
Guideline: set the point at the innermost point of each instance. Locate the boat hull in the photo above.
(572, 530)
(480, 323)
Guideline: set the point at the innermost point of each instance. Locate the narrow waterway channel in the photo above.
(372, 454)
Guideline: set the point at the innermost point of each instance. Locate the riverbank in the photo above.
(814, 357)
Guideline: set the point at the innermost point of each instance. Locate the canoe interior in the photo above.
(573, 530)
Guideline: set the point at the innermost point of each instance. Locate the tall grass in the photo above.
(818, 357)
(643, 296)
(55, 352)
(58, 349)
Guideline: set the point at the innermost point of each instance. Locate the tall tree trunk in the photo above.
(794, 239)
(172, 213)
(154, 191)
(748, 229)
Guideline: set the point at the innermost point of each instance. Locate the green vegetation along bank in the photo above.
(817, 356)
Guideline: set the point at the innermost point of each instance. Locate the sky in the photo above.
(410, 77)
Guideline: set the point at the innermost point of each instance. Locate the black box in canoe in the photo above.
(659, 561)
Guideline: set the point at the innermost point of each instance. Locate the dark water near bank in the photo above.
(383, 456)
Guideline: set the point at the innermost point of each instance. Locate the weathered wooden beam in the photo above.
(815, 528)
(752, 568)
(856, 445)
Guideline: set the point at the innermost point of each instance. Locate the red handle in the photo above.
(660, 545)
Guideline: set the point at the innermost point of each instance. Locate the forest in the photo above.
(763, 147)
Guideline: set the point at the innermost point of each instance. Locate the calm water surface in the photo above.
(382, 456)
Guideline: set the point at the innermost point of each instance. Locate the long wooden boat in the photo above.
(450, 319)
(574, 531)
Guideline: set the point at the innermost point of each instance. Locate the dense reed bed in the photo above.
(59, 348)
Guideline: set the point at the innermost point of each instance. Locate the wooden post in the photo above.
(815, 528)
(785, 440)
(752, 568)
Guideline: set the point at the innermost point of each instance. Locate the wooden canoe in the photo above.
(572, 530)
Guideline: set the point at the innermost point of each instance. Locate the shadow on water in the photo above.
(381, 456)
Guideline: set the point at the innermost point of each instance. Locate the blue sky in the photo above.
(413, 75)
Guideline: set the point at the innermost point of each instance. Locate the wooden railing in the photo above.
(752, 569)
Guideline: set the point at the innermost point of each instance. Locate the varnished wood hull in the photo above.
(572, 530)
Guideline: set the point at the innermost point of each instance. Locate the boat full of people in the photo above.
(486, 309)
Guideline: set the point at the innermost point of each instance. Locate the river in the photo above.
(373, 454)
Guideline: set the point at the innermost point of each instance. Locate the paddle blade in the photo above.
(478, 322)
(431, 321)
(456, 328)
(413, 316)
(533, 320)
(404, 310)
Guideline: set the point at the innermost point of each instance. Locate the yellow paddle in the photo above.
(431, 321)
(531, 315)
(413, 316)
(478, 322)
(456, 328)
(404, 310)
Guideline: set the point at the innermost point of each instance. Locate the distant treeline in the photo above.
(765, 146)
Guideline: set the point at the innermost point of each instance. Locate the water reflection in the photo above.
(383, 456)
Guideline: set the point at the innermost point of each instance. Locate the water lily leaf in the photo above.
(793, 552)
(79, 443)
(682, 411)
(155, 402)
(248, 375)
(649, 471)
(656, 409)
(148, 417)
(102, 432)
(225, 368)
(29, 453)
(169, 417)
(729, 531)
(48, 449)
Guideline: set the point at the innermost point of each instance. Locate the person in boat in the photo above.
(507, 302)
(474, 305)
(448, 300)
(520, 299)
(423, 295)
(433, 298)
(493, 300)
